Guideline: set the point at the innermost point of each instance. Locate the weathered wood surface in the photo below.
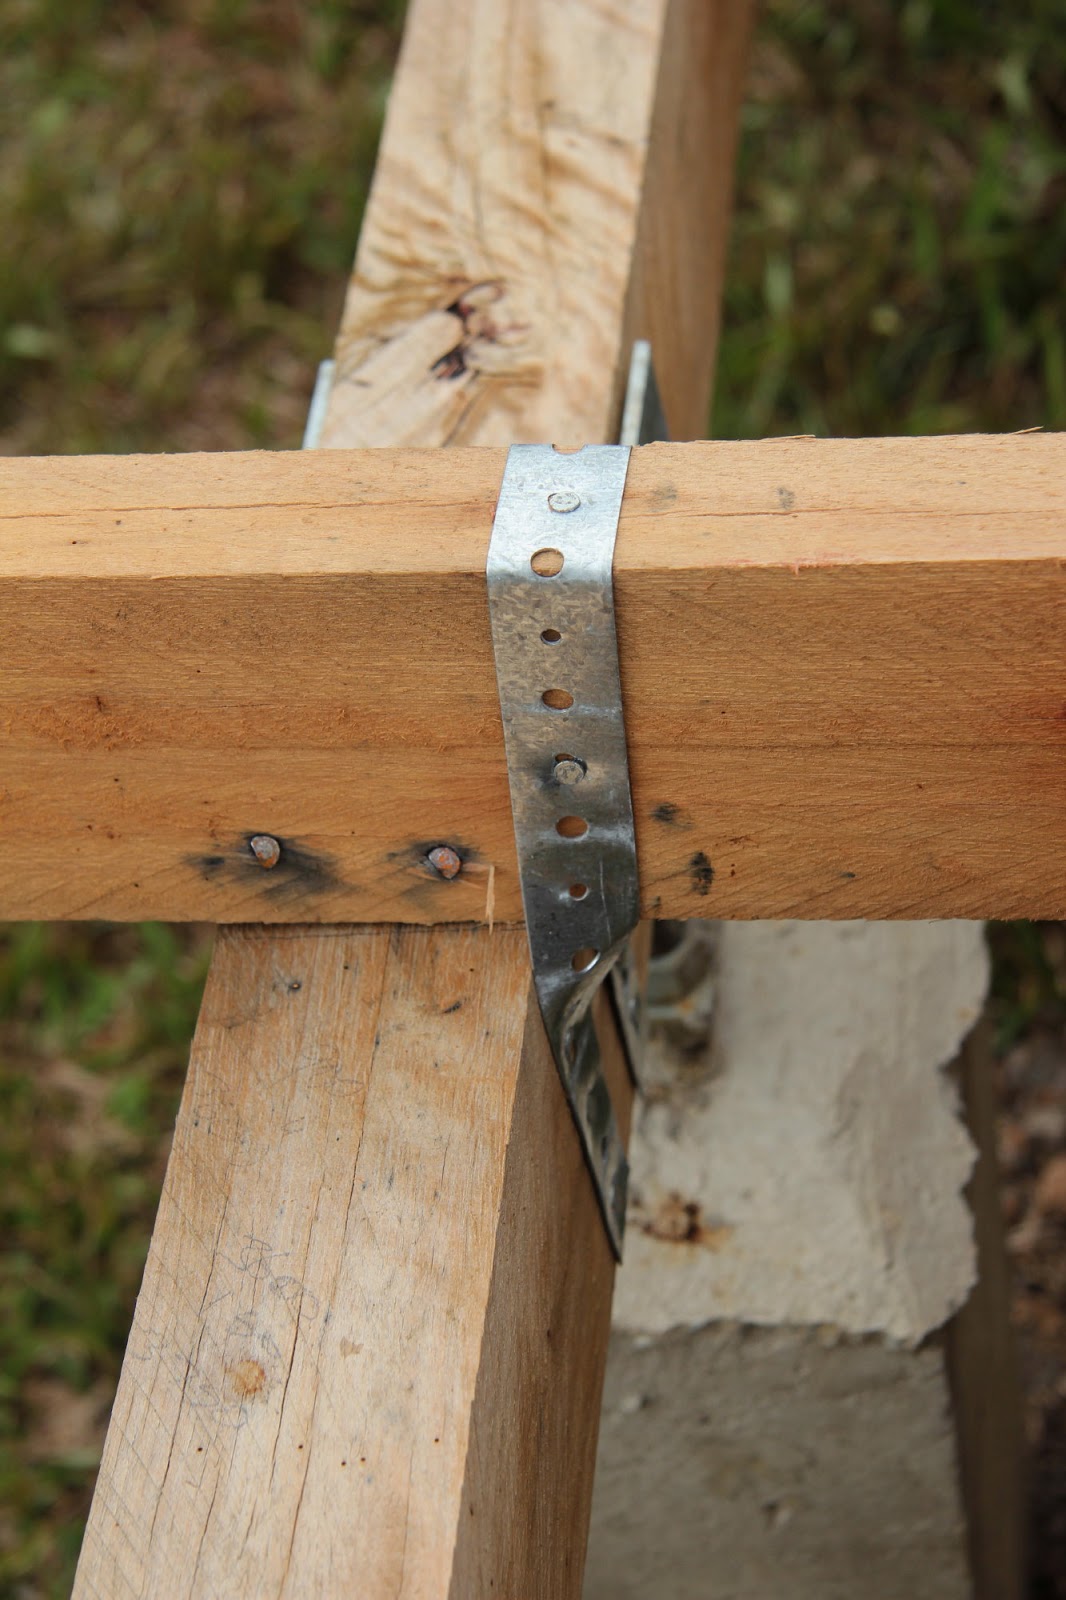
(362, 1285)
(982, 1360)
(843, 667)
(472, 1268)
(554, 181)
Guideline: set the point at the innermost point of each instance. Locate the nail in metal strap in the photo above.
(552, 611)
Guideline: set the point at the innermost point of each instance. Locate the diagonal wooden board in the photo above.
(368, 1352)
(548, 190)
(370, 1334)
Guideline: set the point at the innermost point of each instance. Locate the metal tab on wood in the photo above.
(643, 418)
(553, 630)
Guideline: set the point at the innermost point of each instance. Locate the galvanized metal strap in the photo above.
(643, 422)
(552, 613)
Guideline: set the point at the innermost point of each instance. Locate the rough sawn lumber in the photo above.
(842, 666)
(363, 1269)
(378, 1241)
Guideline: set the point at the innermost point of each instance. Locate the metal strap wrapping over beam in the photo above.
(552, 612)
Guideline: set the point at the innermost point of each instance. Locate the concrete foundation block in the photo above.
(745, 1463)
(788, 1363)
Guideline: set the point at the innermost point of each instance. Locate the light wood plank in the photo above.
(483, 1279)
(317, 1377)
(555, 181)
(842, 662)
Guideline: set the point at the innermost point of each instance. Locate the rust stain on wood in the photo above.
(248, 1378)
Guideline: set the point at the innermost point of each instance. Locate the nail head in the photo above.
(568, 770)
(265, 849)
(564, 500)
(446, 861)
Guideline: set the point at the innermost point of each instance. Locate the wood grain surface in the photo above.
(842, 660)
(555, 180)
(305, 1344)
(368, 1354)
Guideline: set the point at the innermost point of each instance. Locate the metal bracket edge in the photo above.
(552, 613)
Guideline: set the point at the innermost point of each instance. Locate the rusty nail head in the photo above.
(446, 861)
(265, 849)
(564, 500)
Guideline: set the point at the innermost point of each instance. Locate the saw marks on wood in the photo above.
(843, 667)
(334, 1373)
(334, 1156)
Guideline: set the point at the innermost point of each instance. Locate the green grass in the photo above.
(179, 198)
(1028, 981)
(94, 1033)
(901, 224)
(180, 191)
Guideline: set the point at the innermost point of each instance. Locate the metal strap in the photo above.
(552, 612)
(643, 418)
(316, 411)
(643, 422)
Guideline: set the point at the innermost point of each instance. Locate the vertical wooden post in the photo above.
(368, 1352)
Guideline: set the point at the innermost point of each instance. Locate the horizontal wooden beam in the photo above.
(843, 666)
